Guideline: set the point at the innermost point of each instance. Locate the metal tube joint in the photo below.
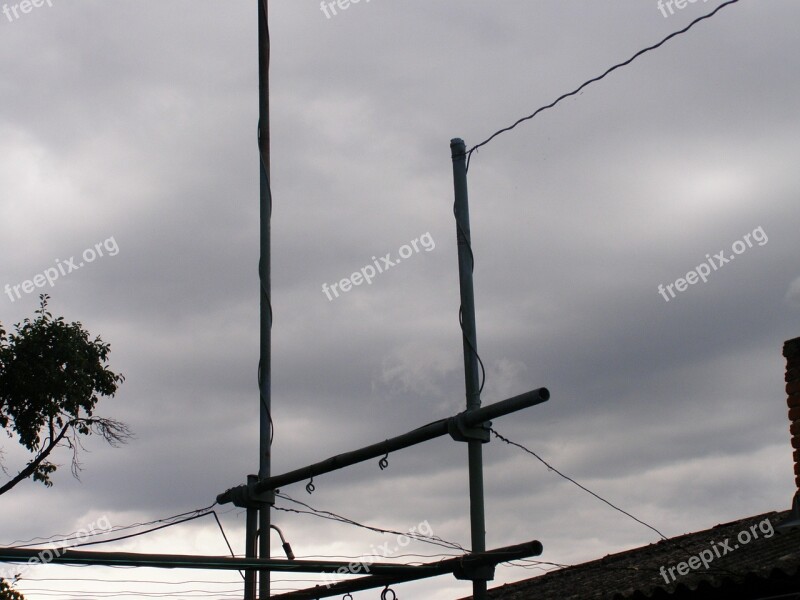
(246, 496)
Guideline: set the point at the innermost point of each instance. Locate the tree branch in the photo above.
(34, 464)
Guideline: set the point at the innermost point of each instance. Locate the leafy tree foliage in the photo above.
(8, 593)
(51, 377)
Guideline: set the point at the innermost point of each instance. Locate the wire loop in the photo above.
(384, 462)
(310, 486)
(386, 591)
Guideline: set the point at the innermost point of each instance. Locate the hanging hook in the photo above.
(384, 462)
(386, 591)
(310, 486)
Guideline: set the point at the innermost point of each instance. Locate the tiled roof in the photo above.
(737, 567)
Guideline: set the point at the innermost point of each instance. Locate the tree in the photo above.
(51, 377)
(8, 593)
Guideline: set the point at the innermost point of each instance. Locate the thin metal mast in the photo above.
(265, 362)
(475, 440)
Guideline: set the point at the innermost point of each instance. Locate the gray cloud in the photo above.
(138, 120)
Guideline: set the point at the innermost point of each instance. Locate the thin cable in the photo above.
(195, 593)
(472, 347)
(585, 489)
(414, 554)
(222, 531)
(436, 540)
(470, 343)
(74, 535)
(590, 81)
(225, 537)
(443, 543)
(143, 581)
(265, 172)
(137, 534)
(74, 594)
(264, 403)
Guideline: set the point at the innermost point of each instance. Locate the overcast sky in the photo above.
(133, 124)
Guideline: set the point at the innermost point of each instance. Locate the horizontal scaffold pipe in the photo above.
(425, 433)
(460, 566)
(181, 561)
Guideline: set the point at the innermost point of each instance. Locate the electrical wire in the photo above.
(598, 78)
(584, 488)
(222, 531)
(195, 593)
(198, 514)
(344, 556)
(225, 537)
(443, 544)
(164, 526)
(90, 594)
(138, 533)
(75, 534)
(469, 342)
(142, 581)
(264, 403)
(552, 468)
(435, 540)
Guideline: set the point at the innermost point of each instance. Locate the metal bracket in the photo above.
(462, 433)
(245, 496)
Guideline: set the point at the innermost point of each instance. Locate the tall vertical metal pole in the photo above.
(470, 342)
(251, 547)
(265, 362)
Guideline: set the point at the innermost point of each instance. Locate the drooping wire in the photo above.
(74, 535)
(425, 539)
(265, 292)
(428, 539)
(138, 533)
(264, 404)
(571, 480)
(142, 581)
(198, 514)
(470, 343)
(472, 347)
(94, 595)
(405, 555)
(598, 78)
